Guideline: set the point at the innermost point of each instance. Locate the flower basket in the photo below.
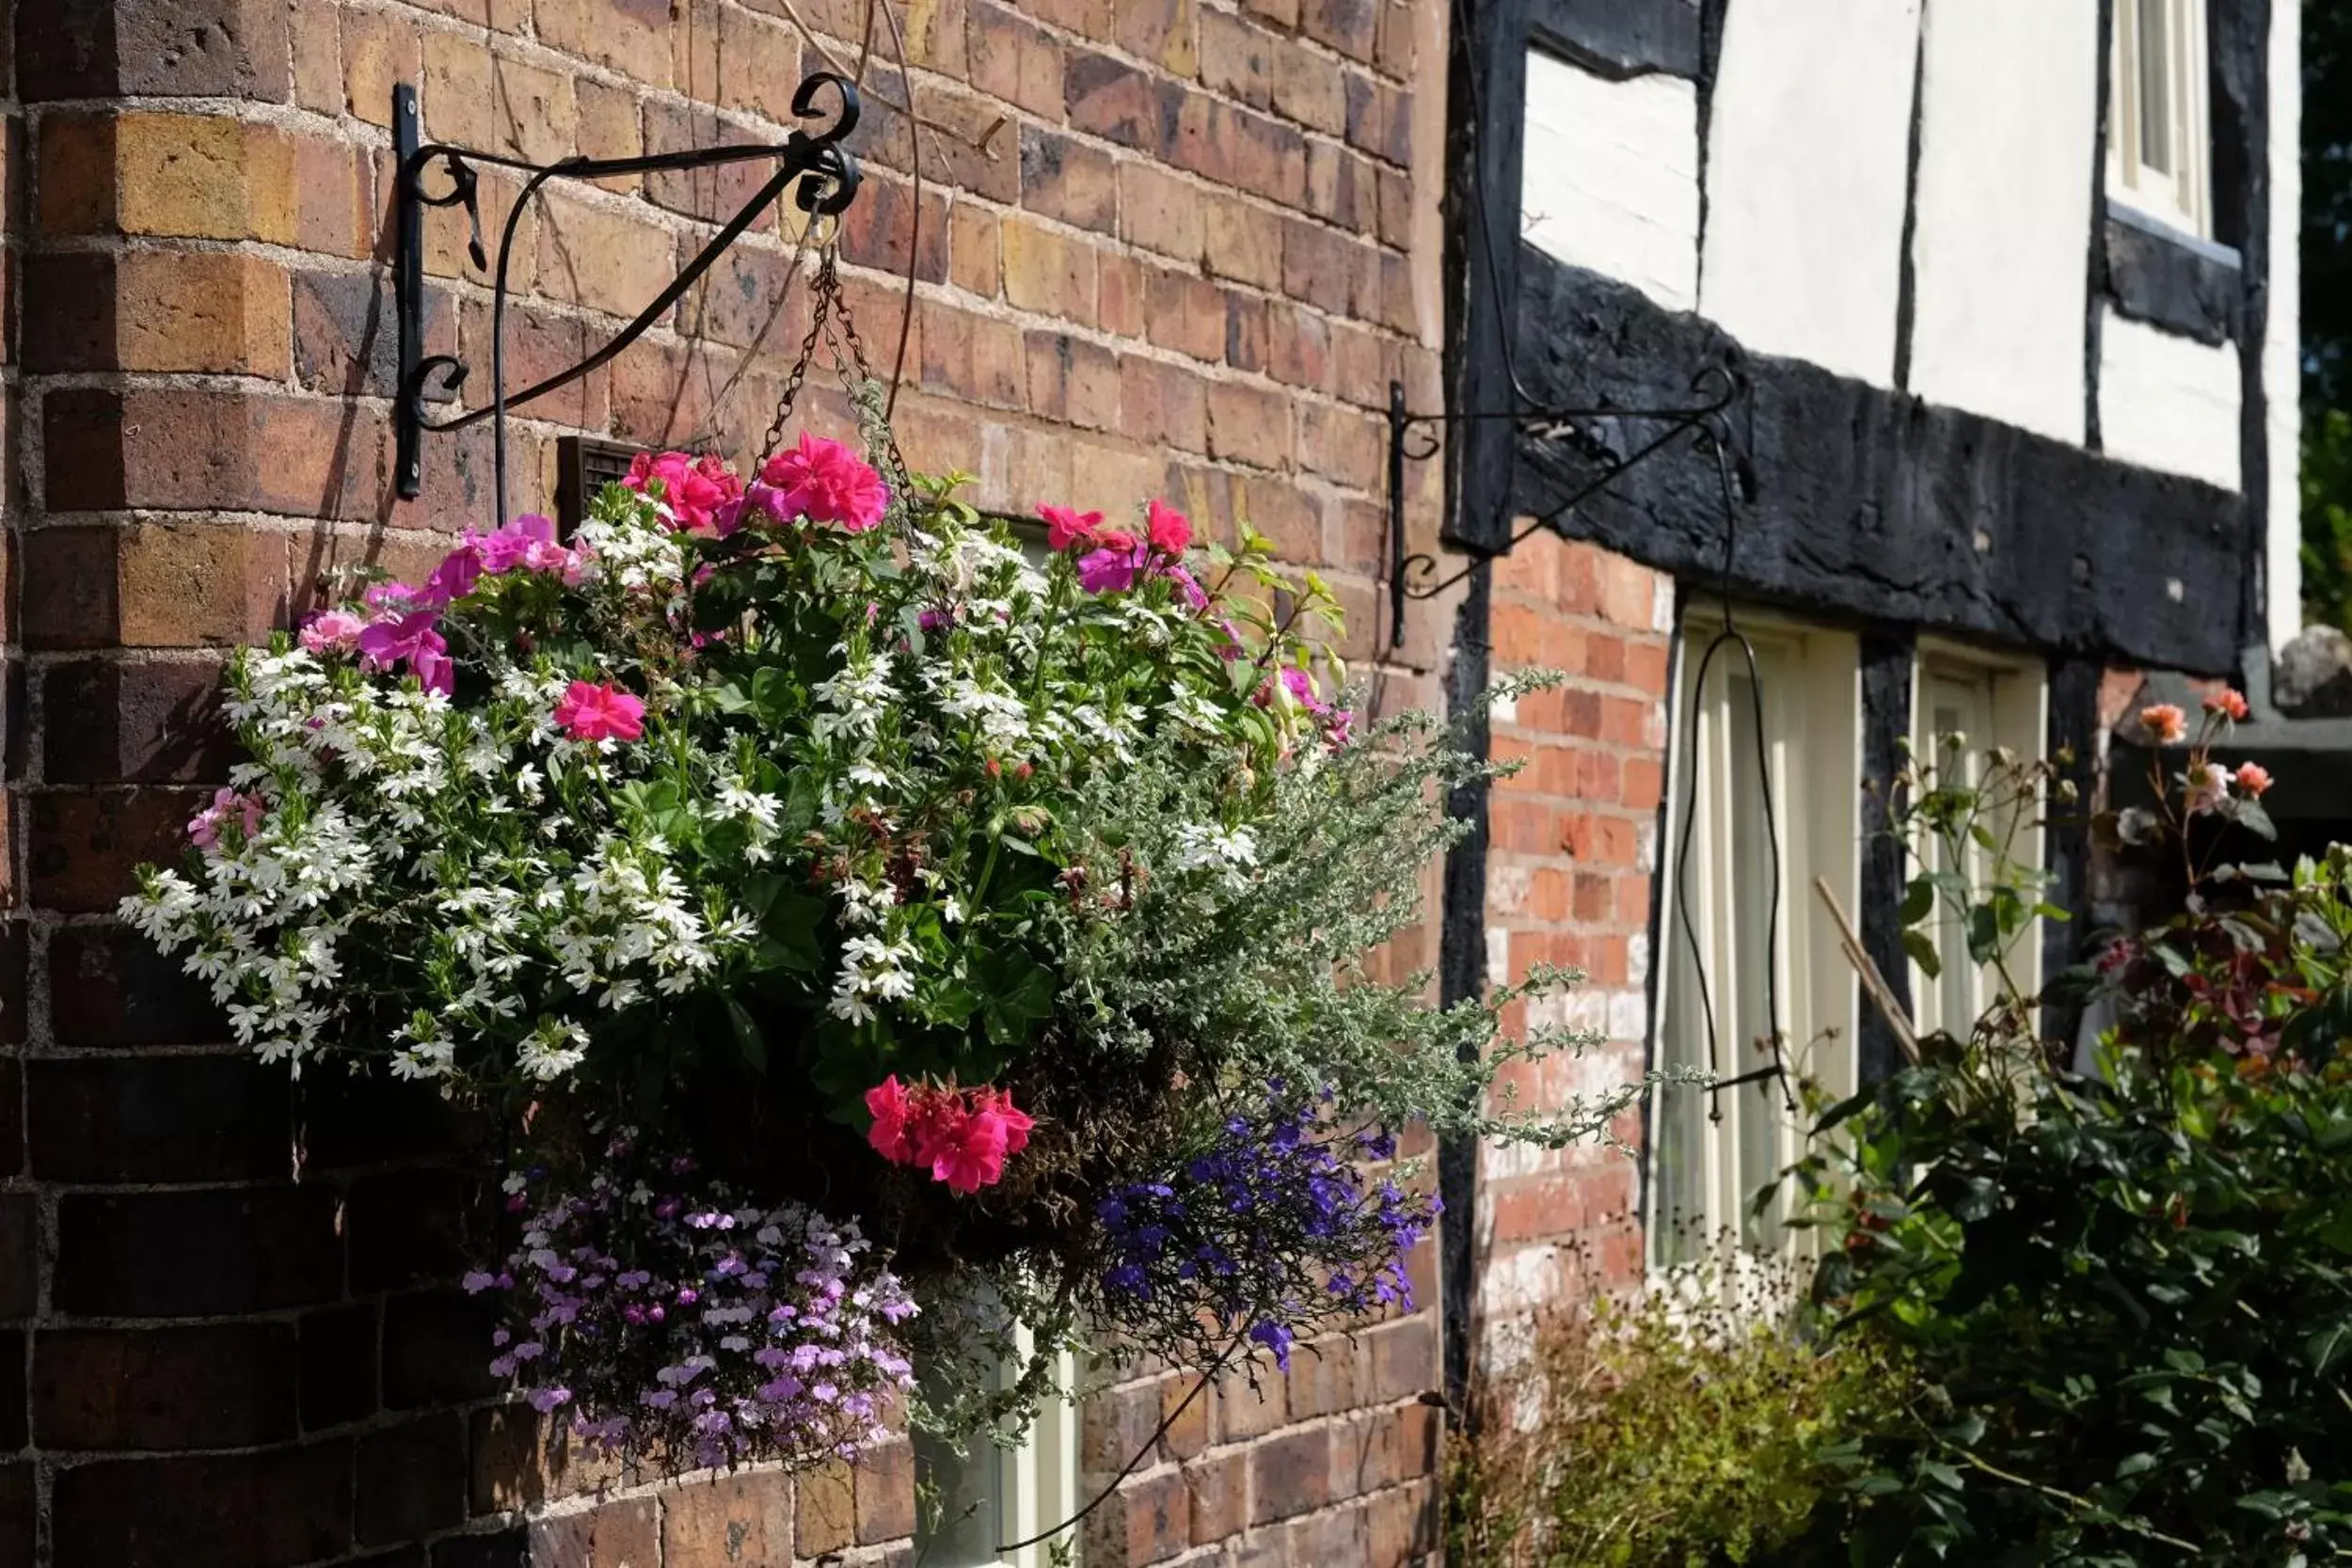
(848, 905)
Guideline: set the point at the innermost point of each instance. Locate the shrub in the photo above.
(2124, 1297)
(1687, 1425)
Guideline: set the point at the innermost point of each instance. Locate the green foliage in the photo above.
(2123, 1299)
(2326, 501)
(1686, 1426)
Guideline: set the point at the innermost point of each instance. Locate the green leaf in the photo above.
(2133, 1464)
(2326, 1344)
(748, 1037)
(1922, 950)
(1918, 901)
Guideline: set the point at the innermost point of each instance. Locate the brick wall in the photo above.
(1571, 861)
(1165, 246)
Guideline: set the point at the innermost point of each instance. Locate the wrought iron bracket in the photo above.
(830, 183)
(1614, 440)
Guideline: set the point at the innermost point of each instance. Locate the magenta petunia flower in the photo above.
(1111, 570)
(695, 489)
(410, 640)
(826, 482)
(589, 712)
(227, 806)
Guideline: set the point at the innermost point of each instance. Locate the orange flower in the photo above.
(2253, 777)
(2166, 725)
(2228, 701)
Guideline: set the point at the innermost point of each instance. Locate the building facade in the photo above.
(2008, 290)
(2019, 408)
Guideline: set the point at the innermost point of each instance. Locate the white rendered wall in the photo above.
(2167, 402)
(1809, 147)
(1610, 176)
(2000, 249)
(2283, 384)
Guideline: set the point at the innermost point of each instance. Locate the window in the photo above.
(1801, 712)
(1989, 700)
(972, 1503)
(2159, 131)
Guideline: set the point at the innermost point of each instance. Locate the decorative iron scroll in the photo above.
(831, 184)
(1419, 436)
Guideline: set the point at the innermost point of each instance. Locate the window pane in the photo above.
(960, 1516)
(1753, 980)
(1682, 1232)
(1956, 999)
(2155, 84)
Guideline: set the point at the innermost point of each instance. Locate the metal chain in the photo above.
(822, 292)
(864, 376)
(829, 310)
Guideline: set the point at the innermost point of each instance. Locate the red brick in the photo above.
(1160, 211)
(1245, 1412)
(1163, 405)
(1048, 272)
(1071, 380)
(885, 1493)
(84, 844)
(1186, 312)
(1341, 187)
(1218, 1488)
(190, 48)
(974, 255)
(1249, 424)
(717, 192)
(1242, 242)
(1147, 1520)
(1066, 179)
(1119, 288)
(1349, 26)
(631, 35)
(269, 1509)
(1289, 1474)
(127, 1119)
(164, 1389)
(880, 230)
(1246, 331)
(617, 1535)
(826, 1520)
(1014, 59)
(1107, 97)
(1379, 118)
(974, 359)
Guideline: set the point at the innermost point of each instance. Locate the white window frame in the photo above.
(2006, 703)
(1811, 685)
(2178, 191)
(1033, 1485)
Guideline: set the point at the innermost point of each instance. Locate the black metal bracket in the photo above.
(833, 184)
(1599, 435)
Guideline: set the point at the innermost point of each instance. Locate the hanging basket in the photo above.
(844, 907)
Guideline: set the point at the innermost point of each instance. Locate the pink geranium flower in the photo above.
(1065, 527)
(962, 1137)
(826, 482)
(2252, 778)
(2166, 725)
(227, 806)
(589, 712)
(695, 489)
(2208, 786)
(525, 545)
(337, 629)
(1169, 530)
(890, 1106)
(2228, 703)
